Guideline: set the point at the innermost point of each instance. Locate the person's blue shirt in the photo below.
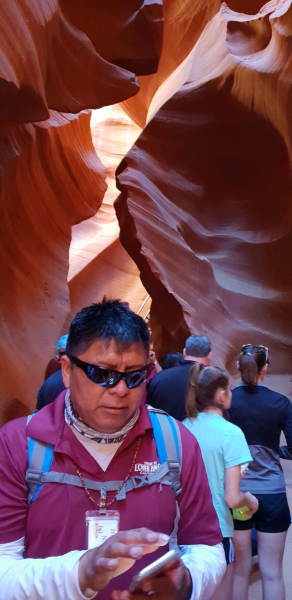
(223, 445)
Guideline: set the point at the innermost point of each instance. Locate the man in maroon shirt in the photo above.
(100, 431)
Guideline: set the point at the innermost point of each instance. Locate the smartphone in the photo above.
(155, 569)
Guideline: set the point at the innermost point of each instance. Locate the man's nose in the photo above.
(120, 389)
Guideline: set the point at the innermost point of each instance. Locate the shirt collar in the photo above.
(49, 426)
(242, 384)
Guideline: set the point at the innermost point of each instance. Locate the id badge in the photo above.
(100, 527)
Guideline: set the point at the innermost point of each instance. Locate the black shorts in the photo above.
(272, 516)
(229, 550)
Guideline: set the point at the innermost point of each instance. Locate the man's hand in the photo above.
(153, 361)
(174, 584)
(152, 357)
(118, 554)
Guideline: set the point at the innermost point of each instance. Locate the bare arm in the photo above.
(233, 496)
(286, 451)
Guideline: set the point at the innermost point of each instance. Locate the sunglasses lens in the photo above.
(135, 379)
(112, 378)
(99, 376)
(108, 379)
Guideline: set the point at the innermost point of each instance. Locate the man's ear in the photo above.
(66, 369)
(184, 353)
(208, 359)
(237, 364)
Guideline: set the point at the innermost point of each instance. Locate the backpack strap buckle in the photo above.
(33, 476)
(138, 481)
(174, 474)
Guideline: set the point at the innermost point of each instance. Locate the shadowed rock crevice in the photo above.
(207, 208)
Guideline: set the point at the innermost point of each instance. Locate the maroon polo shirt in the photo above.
(55, 522)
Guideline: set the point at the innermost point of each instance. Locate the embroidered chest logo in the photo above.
(146, 467)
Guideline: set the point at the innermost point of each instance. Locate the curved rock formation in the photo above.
(99, 264)
(184, 22)
(54, 180)
(205, 208)
(51, 180)
(53, 65)
(127, 34)
(205, 205)
(50, 176)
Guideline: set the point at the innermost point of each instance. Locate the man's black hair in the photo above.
(198, 345)
(172, 359)
(107, 320)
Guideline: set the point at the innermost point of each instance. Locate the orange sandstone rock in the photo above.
(54, 180)
(99, 264)
(48, 63)
(127, 34)
(205, 204)
(50, 176)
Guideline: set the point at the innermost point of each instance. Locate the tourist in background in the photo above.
(172, 359)
(54, 364)
(53, 385)
(154, 368)
(262, 415)
(168, 389)
(224, 450)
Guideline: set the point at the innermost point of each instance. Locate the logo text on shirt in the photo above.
(147, 467)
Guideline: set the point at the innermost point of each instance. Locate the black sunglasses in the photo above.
(245, 347)
(108, 378)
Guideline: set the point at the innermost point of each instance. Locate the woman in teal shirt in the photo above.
(224, 450)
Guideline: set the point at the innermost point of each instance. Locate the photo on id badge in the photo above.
(100, 526)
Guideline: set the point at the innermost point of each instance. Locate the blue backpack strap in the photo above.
(40, 458)
(168, 443)
(169, 449)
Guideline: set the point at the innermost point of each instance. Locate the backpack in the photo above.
(169, 449)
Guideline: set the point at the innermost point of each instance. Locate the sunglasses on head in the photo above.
(245, 347)
(108, 378)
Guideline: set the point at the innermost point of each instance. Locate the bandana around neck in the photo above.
(73, 419)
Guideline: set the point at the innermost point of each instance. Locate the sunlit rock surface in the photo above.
(50, 175)
(184, 22)
(205, 209)
(99, 264)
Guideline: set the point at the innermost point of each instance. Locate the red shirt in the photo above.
(55, 522)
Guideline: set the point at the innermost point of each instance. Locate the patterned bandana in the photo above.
(73, 419)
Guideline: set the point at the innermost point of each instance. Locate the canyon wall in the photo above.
(204, 213)
(51, 72)
(205, 204)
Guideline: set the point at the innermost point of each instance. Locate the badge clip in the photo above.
(103, 493)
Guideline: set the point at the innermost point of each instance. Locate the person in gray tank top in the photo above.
(262, 415)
